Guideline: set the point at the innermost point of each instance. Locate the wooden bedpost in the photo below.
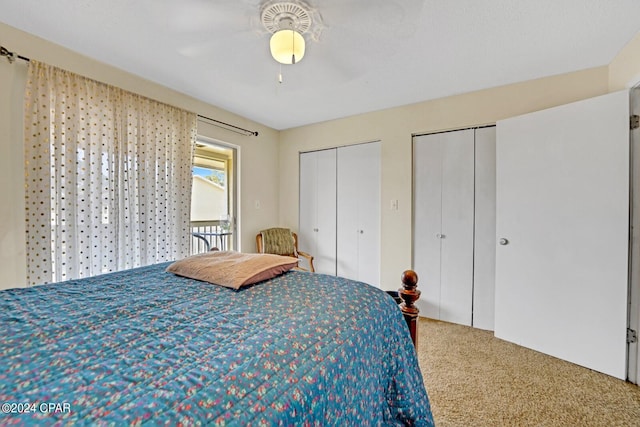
(410, 294)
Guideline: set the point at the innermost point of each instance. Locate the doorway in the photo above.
(214, 196)
(633, 370)
(562, 262)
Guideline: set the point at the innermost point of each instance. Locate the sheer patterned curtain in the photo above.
(108, 177)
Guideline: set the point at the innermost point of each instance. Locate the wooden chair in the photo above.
(260, 246)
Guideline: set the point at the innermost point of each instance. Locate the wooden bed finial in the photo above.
(410, 294)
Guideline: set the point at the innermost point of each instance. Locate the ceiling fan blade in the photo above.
(225, 47)
(344, 64)
(354, 35)
(206, 15)
(380, 20)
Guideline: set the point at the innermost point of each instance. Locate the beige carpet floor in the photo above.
(475, 379)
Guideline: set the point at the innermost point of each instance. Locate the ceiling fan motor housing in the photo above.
(290, 15)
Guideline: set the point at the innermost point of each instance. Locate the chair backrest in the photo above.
(280, 241)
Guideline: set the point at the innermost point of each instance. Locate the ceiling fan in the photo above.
(339, 33)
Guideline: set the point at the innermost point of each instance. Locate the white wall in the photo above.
(13, 261)
(624, 70)
(258, 155)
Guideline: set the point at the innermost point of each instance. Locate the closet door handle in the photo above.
(503, 241)
(440, 236)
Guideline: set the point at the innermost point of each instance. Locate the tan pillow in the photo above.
(232, 269)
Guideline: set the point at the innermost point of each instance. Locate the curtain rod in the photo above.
(232, 128)
(11, 57)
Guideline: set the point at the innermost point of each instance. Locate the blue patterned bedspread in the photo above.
(145, 346)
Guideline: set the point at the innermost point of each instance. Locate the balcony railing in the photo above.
(205, 235)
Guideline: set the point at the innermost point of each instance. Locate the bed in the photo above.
(147, 346)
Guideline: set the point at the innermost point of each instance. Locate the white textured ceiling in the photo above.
(370, 55)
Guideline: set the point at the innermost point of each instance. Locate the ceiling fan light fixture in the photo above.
(287, 21)
(287, 46)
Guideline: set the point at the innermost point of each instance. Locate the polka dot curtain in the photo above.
(108, 177)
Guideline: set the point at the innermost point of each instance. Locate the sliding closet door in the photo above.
(444, 223)
(317, 222)
(358, 224)
(456, 289)
(427, 202)
(563, 212)
(484, 259)
(308, 209)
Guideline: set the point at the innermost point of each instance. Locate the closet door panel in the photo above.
(326, 213)
(359, 212)
(317, 221)
(307, 201)
(369, 213)
(325, 256)
(349, 172)
(458, 164)
(484, 270)
(427, 201)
